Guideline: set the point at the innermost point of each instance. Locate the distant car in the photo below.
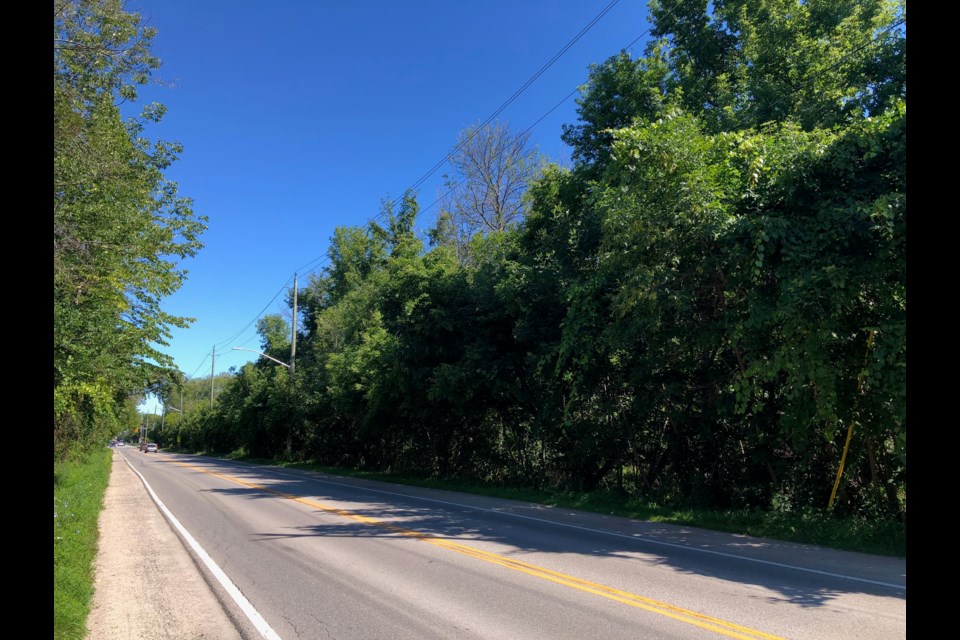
(143, 446)
(152, 447)
(121, 443)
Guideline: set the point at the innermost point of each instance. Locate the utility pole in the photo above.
(293, 331)
(212, 365)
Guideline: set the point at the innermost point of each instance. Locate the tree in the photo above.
(727, 62)
(846, 59)
(120, 227)
(492, 168)
(725, 263)
(274, 334)
(618, 92)
(695, 312)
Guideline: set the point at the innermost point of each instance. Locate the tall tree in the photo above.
(492, 167)
(741, 63)
(746, 258)
(120, 227)
(274, 334)
(618, 92)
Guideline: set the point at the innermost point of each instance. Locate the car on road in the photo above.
(151, 448)
(121, 443)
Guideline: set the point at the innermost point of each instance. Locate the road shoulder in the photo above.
(146, 583)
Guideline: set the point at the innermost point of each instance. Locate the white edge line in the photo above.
(252, 614)
(618, 535)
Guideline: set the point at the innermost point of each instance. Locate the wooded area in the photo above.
(697, 311)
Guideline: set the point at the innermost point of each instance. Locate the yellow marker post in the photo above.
(846, 445)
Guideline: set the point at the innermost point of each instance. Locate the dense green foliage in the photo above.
(78, 489)
(119, 226)
(694, 313)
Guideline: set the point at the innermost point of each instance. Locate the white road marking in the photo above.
(248, 609)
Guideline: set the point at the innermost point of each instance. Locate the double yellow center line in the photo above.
(668, 610)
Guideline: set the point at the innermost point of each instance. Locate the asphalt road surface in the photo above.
(301, 555)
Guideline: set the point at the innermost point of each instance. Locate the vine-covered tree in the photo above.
(746, 181)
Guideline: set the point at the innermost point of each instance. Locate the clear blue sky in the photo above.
(299, 116)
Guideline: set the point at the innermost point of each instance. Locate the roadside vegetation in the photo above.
(119, 230)
(78, 489)
(700, 320)
(703, 318)
(120, 227)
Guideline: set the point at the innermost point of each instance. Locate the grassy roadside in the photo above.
(78, 490)
(818, 528)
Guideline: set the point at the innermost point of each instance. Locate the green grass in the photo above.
(78, 490)
(819, 528)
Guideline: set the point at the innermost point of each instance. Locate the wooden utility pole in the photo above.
(293, 331)
(212, 365)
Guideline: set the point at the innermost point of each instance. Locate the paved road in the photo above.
(322, 556)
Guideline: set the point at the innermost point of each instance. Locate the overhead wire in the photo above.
(549, 111)
(198, 366)
(257, 317)
(873, 41)
(323, 258)
(516, 94)
(490, 118)
(320, 260)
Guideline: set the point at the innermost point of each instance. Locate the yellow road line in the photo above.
(710, 623)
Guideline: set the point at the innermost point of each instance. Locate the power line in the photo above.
(549, 111)
(517, 93)
(322, 259)
(305, 269)
(580, 87)
(524, 132)
(236, 335)
(200, 365)
(255, 318)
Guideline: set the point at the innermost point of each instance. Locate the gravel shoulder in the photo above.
(147, 585)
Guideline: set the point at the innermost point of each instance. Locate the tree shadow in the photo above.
(802, 575)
